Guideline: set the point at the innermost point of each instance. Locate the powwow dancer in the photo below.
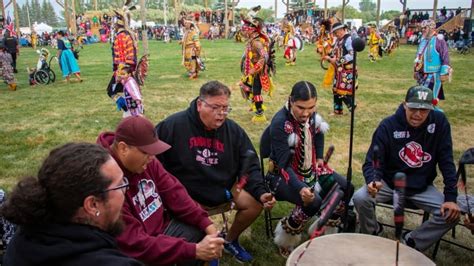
(392, 40)
(131, 92)
(191, 49)
(373, 42)
(6, 68)
(325, 46)
(289, 43)
(67, 61)
(342, 59)
(297, 172)
(257, 66)
(432, 66)
(124, 51)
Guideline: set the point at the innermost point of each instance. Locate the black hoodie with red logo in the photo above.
(208, 162)
(415, 152)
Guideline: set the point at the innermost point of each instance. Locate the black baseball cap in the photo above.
(419, 97)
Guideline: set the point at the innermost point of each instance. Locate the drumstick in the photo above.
(325, 214)
(292, 141)
(375, 165)
(328, 155)
(398, 208)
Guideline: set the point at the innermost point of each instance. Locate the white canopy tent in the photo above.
(42, 27)
(25, 30)
(138, 24)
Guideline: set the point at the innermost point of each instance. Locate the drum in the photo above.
(299, 44)
(355, 249)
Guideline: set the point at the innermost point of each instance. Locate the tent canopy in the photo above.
(42, 27)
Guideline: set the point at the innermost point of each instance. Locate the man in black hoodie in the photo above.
(413, 141)
(208, 154)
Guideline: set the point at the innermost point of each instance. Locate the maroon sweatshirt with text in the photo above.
(153, 196)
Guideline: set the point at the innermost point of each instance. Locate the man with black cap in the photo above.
(342, 60)
(414, 141)
(163, 224)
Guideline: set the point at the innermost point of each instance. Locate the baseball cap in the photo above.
(139, 132)
(419, 97)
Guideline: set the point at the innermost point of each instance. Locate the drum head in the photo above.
(299, 44)
(355, 249)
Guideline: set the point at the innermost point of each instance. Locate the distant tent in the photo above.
(138, 24)
(25, 30)
(42, 27)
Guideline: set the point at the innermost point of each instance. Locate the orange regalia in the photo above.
(124, 52)
(257, 66)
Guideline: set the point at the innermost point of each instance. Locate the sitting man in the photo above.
(413, 141)
(297, 145)
(162, 223)
(69, 214)
(208, 154)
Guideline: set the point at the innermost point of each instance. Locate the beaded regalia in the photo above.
(125, 53)
(191, 49)
(257, 66)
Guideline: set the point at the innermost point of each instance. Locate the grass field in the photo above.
(36, 119)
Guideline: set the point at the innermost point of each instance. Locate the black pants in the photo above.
(13, 60)
(257, 91)
(286, 193)
(339, 99)
(190, 233)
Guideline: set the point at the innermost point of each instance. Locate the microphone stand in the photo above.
(358, 45)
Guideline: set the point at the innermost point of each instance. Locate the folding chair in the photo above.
(265, 149)
(466, 158)
(220, 209)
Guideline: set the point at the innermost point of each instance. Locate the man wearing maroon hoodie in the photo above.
(163, 224)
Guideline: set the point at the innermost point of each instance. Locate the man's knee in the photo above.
(245, 201)
(361, 197)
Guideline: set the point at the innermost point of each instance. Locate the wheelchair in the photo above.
(42, 74)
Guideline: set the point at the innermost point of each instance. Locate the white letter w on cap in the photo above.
(422, 95)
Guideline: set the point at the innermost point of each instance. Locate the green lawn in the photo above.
(36, 119)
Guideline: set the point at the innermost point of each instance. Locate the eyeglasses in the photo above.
(123, 187)
(218, 108)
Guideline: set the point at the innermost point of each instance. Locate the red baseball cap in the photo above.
(139, 132)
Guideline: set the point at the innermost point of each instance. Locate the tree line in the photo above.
(37, 12)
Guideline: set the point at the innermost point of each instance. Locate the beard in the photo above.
(116, 228)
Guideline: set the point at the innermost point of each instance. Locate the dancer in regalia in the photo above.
(342, 59)
(257, 66)
(191, 48)
(289, 43)
(432, 65)
(373, 42)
